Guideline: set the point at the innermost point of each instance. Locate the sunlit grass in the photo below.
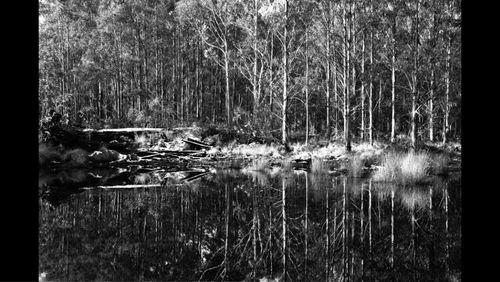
(254, 149)
(407, 168)
(415, 166)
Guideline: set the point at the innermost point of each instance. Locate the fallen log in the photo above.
(196, 143)
(178, 152)
(131, 186)
(125, 130)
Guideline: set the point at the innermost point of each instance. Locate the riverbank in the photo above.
(212, 147)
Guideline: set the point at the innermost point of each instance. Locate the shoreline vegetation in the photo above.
(383, 161)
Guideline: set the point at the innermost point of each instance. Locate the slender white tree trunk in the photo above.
(393, 82)
(285, 77)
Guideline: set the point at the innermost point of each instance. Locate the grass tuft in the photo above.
(407, 168)
(415, 167)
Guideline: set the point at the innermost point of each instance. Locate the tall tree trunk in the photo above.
(197, 83)
(433, 75)
(336, 97)
(271, 79)
(254, 78)
(431, 105)
(182, 97)
(351, 62)
(370, 98)
(347, 139)
(446, 125)
(307, 87)
(393, 81)
(328, 71)
(363, 88)
(285, 78)
(414, 96)
(229, 112)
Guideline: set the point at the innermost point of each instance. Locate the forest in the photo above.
(341, 70)
(269, 140)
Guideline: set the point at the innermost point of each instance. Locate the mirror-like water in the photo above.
(231, 225)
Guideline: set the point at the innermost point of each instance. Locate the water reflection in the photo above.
(234, 225)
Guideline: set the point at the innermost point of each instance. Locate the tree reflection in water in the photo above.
(232, 225)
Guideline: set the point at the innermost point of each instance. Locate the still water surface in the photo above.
(236, 225)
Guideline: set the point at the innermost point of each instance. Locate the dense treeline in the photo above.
(352, 69)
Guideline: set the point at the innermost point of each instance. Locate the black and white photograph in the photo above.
(249, 140)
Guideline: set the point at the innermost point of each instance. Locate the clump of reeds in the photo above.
(408, 167)
(415, 166)
(389, 169)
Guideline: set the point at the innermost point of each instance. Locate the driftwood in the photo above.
(196, 143)
(131, 186)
